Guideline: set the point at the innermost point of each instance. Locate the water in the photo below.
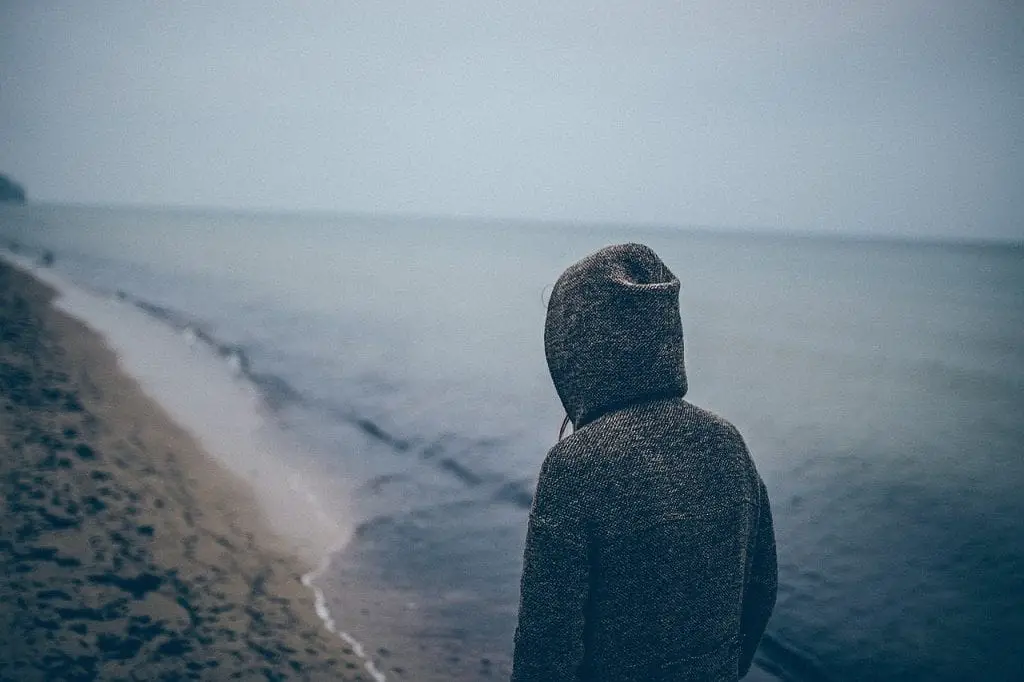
(879, 385)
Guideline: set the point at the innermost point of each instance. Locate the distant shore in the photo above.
(126, 551)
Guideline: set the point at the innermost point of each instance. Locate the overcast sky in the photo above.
(892, 116)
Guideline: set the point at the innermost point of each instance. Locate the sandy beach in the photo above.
(128, 553)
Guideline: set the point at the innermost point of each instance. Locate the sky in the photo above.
(896, 117)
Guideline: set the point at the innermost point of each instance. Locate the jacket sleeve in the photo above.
(555, 584)
(761, 588)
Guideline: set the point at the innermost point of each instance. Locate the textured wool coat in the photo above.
(650, 553)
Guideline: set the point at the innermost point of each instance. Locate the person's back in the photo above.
(650, 553)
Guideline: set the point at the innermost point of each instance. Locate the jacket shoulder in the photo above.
(565, 457)
(712, 421)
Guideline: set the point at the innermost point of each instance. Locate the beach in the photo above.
(128, 552)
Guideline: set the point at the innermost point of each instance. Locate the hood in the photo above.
(613, 335)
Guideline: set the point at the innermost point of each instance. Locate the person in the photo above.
(650, 551)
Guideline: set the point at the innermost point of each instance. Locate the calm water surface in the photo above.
(879, 385)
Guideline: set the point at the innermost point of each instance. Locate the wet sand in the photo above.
(125, 551)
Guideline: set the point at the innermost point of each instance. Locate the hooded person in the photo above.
(650, 552)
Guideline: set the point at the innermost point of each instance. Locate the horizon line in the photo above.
(720, 229)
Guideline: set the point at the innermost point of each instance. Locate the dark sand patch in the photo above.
(126, 552)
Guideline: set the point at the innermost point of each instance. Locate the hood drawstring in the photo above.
(565, 422)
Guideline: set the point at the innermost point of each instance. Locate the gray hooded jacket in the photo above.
(650, 553)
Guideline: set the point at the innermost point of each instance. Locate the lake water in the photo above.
(879, 385)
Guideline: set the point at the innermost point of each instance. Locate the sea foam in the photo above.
(204, 392)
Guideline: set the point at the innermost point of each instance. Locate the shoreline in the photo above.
(131, 550)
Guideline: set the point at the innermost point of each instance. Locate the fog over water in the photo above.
(868, 117)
